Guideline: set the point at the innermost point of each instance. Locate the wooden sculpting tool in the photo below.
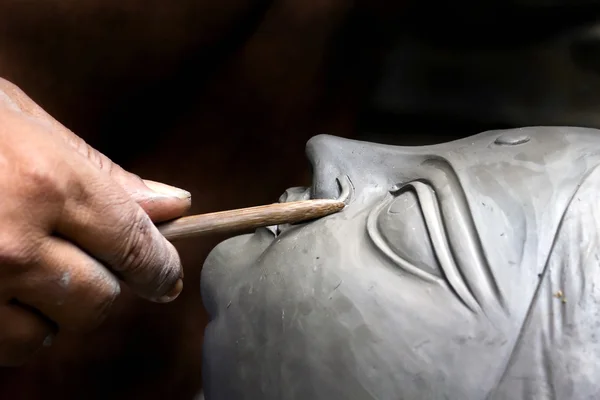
(249, 218)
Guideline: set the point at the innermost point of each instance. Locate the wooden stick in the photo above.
(248, 218)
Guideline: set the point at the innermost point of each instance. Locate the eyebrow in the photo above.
(454, 236)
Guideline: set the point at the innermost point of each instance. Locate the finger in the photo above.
(14, 98)
(162, 202)
(111, 227)
(22, 334)
(68, 286)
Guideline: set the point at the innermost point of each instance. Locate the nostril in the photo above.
(292, 194)
(340, 189)
(295, 194)
(344, 192)
(346, 188)
(325, 188)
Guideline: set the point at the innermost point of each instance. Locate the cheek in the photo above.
(305, 261)
(315, 301)
(394, 303)
(227, 265)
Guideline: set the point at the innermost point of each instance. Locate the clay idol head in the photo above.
(465, 270)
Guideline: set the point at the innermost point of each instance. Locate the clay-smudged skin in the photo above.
(467, 270)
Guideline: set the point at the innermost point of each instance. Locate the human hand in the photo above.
(73, 224)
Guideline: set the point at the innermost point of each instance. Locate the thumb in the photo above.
(161, 202)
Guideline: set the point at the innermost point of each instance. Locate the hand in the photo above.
(72, 225)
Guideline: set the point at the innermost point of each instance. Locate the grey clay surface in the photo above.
(466, 270)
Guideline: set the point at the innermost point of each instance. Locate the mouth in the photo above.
(345, 192)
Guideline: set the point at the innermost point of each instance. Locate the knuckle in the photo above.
(146, 260)
(38, 178)
(16, 250)
(10, 87)
(10, 94)
(95, 157)
(39, 181)
(8, 102)
(136, 246)
(82, 147)
(104, 298)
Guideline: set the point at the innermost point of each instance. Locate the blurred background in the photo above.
(220, 97)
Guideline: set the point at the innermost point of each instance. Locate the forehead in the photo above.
(540, 145)
(486, 164)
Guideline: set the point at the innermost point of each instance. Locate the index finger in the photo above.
(105, 222)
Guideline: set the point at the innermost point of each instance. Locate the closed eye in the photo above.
(401, 226)
(408, 229)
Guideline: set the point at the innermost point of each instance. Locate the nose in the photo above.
(371, 168)
(327, 156)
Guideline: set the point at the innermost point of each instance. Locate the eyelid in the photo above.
(378, 240)
(433, 222)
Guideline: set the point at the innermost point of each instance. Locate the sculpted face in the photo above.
(436, 280)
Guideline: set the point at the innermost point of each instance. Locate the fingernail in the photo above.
(168, 190)
(48, 340)
(172, 295)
